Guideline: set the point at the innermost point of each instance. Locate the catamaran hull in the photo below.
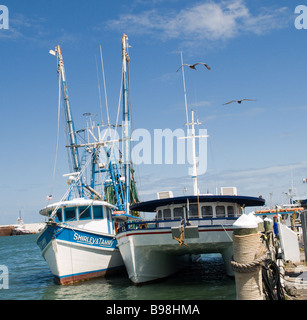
(152, 255)
(74, 255)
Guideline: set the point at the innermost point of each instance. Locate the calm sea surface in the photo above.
(31, 279)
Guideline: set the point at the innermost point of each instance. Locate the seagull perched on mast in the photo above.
(239, 101)
(192, 66)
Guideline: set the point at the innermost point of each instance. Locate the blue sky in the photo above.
(252, 47)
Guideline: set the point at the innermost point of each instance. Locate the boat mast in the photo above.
(191, 135)
(70, 124)
(126, 120)
(194, 174)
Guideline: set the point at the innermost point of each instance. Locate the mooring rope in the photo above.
(271, 281)
(250, 250)
(248, 254)
(247, 267)
(254, 255)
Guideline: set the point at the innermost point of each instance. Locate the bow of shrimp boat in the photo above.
(79, 243)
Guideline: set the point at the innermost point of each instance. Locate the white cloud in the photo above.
(203, 21)
(35, 29)
(20, 25)
(277, 179)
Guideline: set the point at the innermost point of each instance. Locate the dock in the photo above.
(269, 260)
(294, 276)
(6, 231)
(26, 228)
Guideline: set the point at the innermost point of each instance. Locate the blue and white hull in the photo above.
(74, 254)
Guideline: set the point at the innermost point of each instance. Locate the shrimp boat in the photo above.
(78, 241)
(184, 227)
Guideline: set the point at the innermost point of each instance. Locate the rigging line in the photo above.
(226, 232)
(185, 93)
(66, 141)
(118, 108)
(57, 138)
(129, 96)
(99, 92)
(109, 159)
(72, 185)
(102, 176)
(104, 84)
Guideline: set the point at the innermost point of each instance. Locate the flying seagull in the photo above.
(238, 101)
(192, 66)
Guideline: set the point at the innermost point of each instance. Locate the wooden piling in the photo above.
(248, 253)
(304, 231)
(268, 225)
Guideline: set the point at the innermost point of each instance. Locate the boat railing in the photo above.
(167, 224)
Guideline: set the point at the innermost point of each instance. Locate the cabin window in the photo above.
(178, 213)
(206, 211)
(220, 211)
(98, 213)
(108, 210)
(59, 215)
(193, 211)
(159, 216)
(70, 214)
(85, 213)
(167, 214)
(231, 211)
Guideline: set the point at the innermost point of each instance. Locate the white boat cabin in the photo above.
(198, 211)
(94, 215)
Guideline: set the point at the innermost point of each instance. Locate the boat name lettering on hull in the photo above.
(93, 240)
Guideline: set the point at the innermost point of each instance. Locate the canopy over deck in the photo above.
(150, 206)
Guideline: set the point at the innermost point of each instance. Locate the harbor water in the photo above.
(29, 278)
